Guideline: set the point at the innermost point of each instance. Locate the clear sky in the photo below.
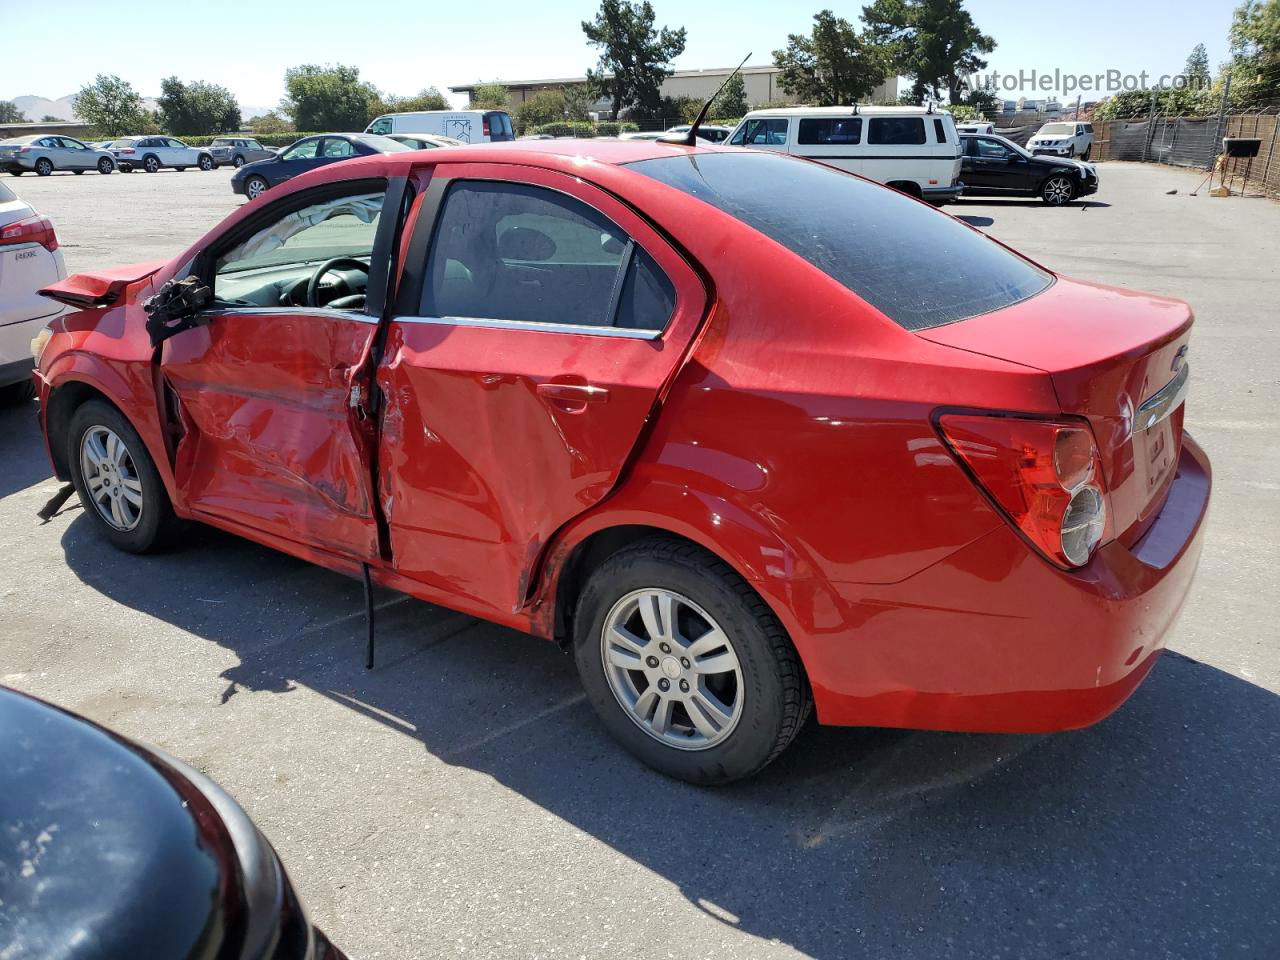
(405, 45)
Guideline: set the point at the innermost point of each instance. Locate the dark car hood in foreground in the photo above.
(110, 850)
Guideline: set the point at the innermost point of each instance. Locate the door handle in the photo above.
(572, 393)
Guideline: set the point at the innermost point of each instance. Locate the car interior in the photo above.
(317, 256)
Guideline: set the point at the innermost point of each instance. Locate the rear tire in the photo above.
(151, 164)
(749, 672)
(44, 167)
(16, 173)
(77, 172)
(1087, 153)
(238, 161)
(142, 518)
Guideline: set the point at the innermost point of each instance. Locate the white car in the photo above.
(153, 153)
(913, 149)
(29, 260)
(1063, 140)
(976, 127)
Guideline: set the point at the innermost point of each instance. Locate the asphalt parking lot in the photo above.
(461, 800)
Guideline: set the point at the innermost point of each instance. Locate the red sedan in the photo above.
(750, 435)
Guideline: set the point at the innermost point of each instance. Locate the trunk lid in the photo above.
(1116, 357)
(100, 289)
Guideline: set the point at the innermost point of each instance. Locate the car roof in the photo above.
(846, 112)
(27, 138)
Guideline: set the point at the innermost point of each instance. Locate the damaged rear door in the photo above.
(264, 387)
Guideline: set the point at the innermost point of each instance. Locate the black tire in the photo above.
(77, 172)
(106, 166)
(1058, 190)
(151, 164)
(16, 173)
(126, 168)
(262, 184)
(237, 161)
(157, 524)
(179, 169)
(44, 167)
(205, 162)
(16, 393)
(775, 696)
(1087, 153)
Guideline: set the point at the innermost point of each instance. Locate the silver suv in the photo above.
(238, 151)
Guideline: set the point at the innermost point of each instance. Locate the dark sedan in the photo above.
(996, 167)
(109, 849)
(255, 179)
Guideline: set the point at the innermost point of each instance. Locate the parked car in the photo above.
(748, 435)
(657, 135)
(995, 166)
(254, 179)
(1063, 140)
(155, 153)
(708, 131)
(237, 151)
(424, 141)
(43, 154)
(114, 849)
(975, 127)
(469, 126)
(29, 260)
(912, 149)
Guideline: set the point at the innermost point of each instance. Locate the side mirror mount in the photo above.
(174, 308)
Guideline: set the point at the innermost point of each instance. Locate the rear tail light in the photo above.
(24, 149)
(1045, 476)
(125, 150)
(32, 230)
(484, 126)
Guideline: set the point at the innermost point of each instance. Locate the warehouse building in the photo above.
(761, 84)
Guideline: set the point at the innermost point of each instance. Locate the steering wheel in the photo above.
(313, 285)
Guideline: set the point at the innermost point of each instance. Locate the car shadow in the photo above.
(1028, 202)
(22, 459)
(975, 221)
(1152, 834)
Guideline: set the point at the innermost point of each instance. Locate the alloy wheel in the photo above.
(1058, 191)
(43, 167)
(672, 668)
(105, 166)
(206, 163)
(238, 162)
(151, 164)
(111, 478)
(255, 188)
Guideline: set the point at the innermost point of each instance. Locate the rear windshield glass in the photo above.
(915, 265)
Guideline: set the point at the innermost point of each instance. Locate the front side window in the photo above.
(918, 267)
(380, 126)
(906, 131)
(303, 150)
(992, 149)
(272, 267)
(177, 144)
(253, 145)
(763, 132)
(819, 131)
(514, 252)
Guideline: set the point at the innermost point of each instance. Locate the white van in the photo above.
(913, 149)
(469, 126)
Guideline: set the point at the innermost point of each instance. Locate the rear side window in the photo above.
(816, 131)
(514, 252)
(918, 267)
(939, 130)
(896, 130)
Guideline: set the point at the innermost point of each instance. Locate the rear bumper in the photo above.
(995, 639)
(9, 165)
(943, 194)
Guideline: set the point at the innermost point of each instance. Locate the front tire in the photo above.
(206, 162)
(255, 187)
(105, 166)
(44, 167)
(118, 484)
(1057, 191)
(685, 665)
(238, 161)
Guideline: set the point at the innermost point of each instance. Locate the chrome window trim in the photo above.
(1164, 401)
(625, 333)
(238, 311)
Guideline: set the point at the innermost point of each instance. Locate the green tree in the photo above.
(633, 55)
(831, 66)
(110, 105)
(545, 106)
(490, 96)
(270, 122)
(578, 101)
(50, 118)
(1196, 70)
(934, 42)
(9, 113)
(197, 108)
(732, 100)
(428, 99)
(330, 97)
(1255, 52)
